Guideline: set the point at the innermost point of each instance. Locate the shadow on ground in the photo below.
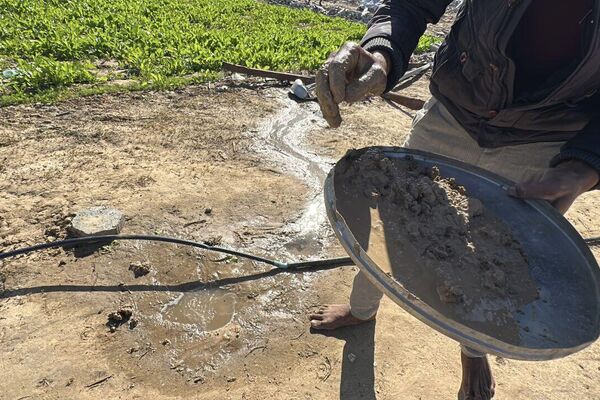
(182, 287)
(358, 374)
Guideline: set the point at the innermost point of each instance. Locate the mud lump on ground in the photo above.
(441, 244)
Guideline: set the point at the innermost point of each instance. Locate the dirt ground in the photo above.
(238, 167)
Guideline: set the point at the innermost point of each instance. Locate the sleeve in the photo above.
(585, 146)
(396, 28)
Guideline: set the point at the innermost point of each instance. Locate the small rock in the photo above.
(166, 342)
(133, 323)
(118, 318)
(140, 269)
(231, 379)
(62, 263)
(208, 211)
(52, 232)
(351, 357)
(237, 77)
(214, 240)
(97, 221)
(44, 382)
(475, 208)
(450, 294)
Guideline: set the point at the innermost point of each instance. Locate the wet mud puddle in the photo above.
(205, 310)
(207, 326)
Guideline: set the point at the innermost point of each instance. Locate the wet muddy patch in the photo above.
(205, 310)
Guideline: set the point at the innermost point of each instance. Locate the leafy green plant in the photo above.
(159, 43)
(43, 73)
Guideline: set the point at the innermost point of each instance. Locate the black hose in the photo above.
(593, 241)
(103, 239)
(327, 263)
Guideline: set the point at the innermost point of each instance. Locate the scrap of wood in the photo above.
(282, 76)
(299, 336)
(413, 73)
(409, 102)
(98, 382)
(254, 349)
(411, 76)
(200, 221)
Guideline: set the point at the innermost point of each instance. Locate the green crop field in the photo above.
(49, 46)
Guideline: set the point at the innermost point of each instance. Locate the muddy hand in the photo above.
(560, 185)
(350, 75)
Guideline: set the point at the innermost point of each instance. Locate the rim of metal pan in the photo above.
(423, 311)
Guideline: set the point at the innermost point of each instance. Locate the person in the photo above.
(514, 91)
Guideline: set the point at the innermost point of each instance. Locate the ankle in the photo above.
(470, 352)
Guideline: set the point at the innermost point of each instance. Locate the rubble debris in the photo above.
(98, 382)
(140, 269)
(118, 318)
(97, 221)
(300, 90)
(133, 322)
(214, 240)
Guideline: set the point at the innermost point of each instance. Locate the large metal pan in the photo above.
(565, 318)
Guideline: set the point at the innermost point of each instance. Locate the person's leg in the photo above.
(363, 306)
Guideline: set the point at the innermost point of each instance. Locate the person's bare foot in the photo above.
(334, 316)
(477, 380)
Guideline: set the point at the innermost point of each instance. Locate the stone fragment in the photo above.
(140, 268)
(97, 221)
(118, 318)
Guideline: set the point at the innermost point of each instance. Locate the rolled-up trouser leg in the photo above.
(365, 297)
(471, 353)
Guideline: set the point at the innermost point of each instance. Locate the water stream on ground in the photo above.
(282, 142)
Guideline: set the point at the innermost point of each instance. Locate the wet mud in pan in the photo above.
(444, 246)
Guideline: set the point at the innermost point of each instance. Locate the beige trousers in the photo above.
(435, 130)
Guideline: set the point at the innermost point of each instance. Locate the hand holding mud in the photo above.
(350, 75)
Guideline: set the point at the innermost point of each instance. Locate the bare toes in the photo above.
(317, 317)
(316, 324)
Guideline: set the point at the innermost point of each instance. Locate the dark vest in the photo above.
(473, 76)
